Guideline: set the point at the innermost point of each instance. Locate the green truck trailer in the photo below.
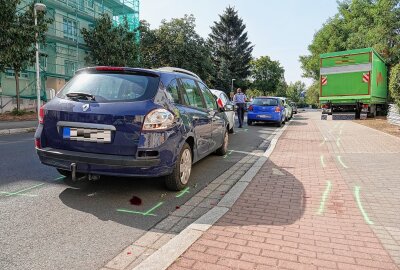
(353, 84)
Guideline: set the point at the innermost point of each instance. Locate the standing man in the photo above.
(240, 100)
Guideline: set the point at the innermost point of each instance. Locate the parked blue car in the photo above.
(131, 122)
(266, 109)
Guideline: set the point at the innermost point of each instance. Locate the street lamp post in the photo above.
(40, 7)
(232, 84)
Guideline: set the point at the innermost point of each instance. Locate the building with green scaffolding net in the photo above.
(65, 51)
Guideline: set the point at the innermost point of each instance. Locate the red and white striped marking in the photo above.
(324, 80)
(366, 77)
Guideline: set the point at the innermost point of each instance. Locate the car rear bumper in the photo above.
(271, 117)
(102, 163)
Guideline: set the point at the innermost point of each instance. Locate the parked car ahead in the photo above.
(294, 107)
(131, 122)
(228, 107)
(267, 109)
(289, 110)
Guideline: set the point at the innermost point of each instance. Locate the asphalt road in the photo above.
(49, 223)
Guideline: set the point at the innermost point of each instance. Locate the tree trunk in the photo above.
(16, 75)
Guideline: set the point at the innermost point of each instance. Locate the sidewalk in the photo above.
(326, 199)
(11, 127)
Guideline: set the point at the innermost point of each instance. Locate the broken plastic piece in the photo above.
(135, 201)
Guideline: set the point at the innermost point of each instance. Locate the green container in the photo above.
(351, 77)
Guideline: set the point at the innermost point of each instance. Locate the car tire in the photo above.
(64, 172)
(279, 124)
(180, 175)
(249, 122)
(224, 147)
(232, 130)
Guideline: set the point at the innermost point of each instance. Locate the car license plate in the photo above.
(66, 132)
(264, 116)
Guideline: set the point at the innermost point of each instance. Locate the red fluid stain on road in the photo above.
(129, 253)
(177, 207)
(135, 201)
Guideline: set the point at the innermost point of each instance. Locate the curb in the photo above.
(16, 130)
(170, 252)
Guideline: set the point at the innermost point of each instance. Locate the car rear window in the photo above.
(111, 87)
(265, 102)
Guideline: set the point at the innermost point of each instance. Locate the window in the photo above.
(208, 96)
(10, 74)
(224, 98)
(191, 94)
(70, 68)
(112, 87)
(70, 29)
(266, 102)
(173, 92)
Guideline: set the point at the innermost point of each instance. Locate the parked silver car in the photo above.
(229, 108)
(288, 108)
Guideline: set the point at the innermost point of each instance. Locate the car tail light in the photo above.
(365, 106)
(277, 109)
(220, 103)
(325, 106)
(250, 108)
(41, 115)
(103, 68)
(38, 145)
(158, 119)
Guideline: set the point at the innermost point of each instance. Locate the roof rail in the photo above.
(180, 70)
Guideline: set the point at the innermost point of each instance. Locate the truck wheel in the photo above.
(179, 177)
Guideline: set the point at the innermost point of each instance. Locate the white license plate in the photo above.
(264, 116)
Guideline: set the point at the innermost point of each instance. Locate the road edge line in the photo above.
(170, 252)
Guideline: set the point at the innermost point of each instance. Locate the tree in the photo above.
(394, 84)
(294, 90)
(312, 94)
(17, 32)
(267, 75)
(358, 24)
(231, 50)
(110, 45)
(176, 43)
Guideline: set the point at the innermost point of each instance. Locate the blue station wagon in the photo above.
(266, 109)
(131, 122)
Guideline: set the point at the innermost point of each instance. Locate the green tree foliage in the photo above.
(294, 90)
(231, 50)
(312, 94)
(18, 35)
(176, 43)
(358, 24)
(394, 84)
(110, 45)
(267, 75)
(252, 93)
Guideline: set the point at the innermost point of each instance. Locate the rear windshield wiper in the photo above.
(79, 95)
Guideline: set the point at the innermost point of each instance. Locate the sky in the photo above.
(280, 29)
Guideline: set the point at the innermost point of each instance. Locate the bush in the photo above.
(18, 113)
(394, 84)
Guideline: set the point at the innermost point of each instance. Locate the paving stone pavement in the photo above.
(178, 220)
(326, 199)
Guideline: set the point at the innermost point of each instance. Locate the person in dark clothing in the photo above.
(240, 100)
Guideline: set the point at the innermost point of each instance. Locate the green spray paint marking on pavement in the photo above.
(341, 162)
(357, 195)
(324, 197)
(10, 194)
(228, 154)
(322, 161)
(323, 142)
(59, 178)
(147, 213)
(23, 190)
(338, 142)
(183, 192)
